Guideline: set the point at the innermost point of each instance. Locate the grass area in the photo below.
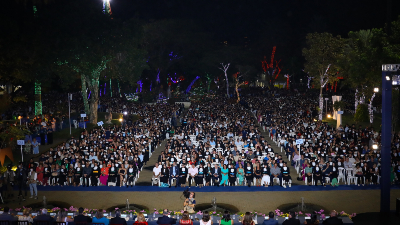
(349, 120)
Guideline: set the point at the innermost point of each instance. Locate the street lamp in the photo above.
(329, 116)
(120, 120)
(376, 90)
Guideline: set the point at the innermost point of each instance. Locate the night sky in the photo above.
(262, 24)
(231, 19)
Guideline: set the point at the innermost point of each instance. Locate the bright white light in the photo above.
(374, 146)
(376, 90)
(125, 113)
(120, 119)
(387, 78)
(329, 116)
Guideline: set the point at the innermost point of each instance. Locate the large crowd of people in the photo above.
(222, 144)
(270, 138)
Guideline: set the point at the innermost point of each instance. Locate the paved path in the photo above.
(277, 150)
(147, 172)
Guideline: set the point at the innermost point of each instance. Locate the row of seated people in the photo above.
(100, 218)
(247, 171)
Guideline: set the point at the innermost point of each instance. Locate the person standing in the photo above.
(240, 174)
(39, 173)
(32, 176)
(35, 146)
(22, 179)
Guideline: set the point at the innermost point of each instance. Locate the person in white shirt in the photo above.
(156, 173)
(32, 180)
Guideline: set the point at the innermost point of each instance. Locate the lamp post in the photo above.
(69, 111)
(387, 69)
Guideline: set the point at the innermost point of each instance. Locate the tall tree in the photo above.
(362, 64)
(87, 36)
(322, 54)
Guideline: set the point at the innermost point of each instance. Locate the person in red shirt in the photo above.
(140, 219)
(185, 219)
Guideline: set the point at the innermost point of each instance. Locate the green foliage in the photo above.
(362, 60)
(339, 105)
(10, 134)
(361, 114)
(322, 50)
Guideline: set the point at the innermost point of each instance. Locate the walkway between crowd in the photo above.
(277, 149)
(146, 175)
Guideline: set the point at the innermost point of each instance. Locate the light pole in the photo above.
(69, 111)
(326, 106)
(387, 70)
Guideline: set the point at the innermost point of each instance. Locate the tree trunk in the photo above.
(84, 93)
(94, 100)
(370, 110)
(227, 84)
(237, 91)
(321, 104)
(356, 101)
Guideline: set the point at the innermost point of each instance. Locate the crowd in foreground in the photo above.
(141, 219)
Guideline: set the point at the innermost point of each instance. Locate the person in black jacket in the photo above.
(232, 175)
(248, 173)
(95, 174)
(333, 220)
(131, 175)
(292, 219)
(317, 175)
(86, 173)
(286, 175)
(165, 219)
(21, 174)
(117, 219)
(81, 218)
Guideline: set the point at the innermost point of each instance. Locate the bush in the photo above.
(362, 114)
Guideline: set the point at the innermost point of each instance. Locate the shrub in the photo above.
(362, 114)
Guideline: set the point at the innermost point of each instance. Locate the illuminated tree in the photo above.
(224, 67)
(322, 53)
(271, 68)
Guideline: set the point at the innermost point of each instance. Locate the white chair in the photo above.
(341, 175)
(350, 176)
(312, 181)
(275, 179)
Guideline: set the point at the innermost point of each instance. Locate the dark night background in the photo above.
(254, 26)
